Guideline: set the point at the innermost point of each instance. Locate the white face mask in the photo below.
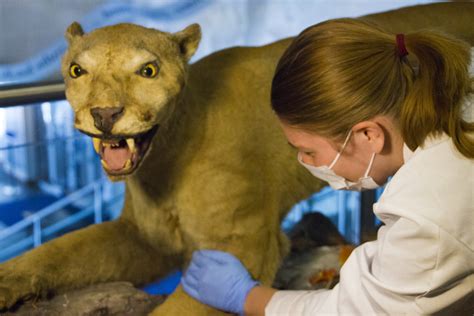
(337, 182)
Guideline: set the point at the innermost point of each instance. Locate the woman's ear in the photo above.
(370, 134)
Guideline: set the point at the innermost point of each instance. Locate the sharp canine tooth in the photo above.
(131, 145)
(104, 164)
(127, 164)
(105, 144)
(96, 142)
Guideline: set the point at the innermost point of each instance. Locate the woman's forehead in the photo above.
(305, 140)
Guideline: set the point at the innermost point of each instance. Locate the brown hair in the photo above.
(340, 72)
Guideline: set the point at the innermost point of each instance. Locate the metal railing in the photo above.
(52, 163)
(341, 207)
(30, 231)
(42, 143)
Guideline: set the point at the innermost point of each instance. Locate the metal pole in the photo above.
(22, 94)
(97, 203)
(36, 231)
(342, 209)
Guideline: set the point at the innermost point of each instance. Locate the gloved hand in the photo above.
(218, 279)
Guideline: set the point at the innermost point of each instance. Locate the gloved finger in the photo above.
(219, 256)
(190, 280)
(193, 271)
(211, 253)
(191, 289)
(202, 260)
(197, 258)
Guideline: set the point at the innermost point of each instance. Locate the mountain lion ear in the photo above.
(188, 40)
(74, 30)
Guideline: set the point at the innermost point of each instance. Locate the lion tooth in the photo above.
(96, 142)
(104, 164)
(105, 144)
(128, 164)
(131, 145)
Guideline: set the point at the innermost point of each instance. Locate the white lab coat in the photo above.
(423, 259)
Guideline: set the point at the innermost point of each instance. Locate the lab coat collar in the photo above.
(407, 153)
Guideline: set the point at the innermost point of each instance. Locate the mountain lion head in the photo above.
(122, 82)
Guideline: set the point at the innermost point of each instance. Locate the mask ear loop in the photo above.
(342, 149)
(370, 165)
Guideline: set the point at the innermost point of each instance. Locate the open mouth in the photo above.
(121, 154)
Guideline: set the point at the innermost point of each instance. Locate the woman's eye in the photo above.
(76, 71)
(150, 70)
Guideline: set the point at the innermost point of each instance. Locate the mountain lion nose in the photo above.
(104, 118)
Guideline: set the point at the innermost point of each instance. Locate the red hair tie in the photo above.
(402, 50)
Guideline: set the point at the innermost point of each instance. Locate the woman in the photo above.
(361, 105)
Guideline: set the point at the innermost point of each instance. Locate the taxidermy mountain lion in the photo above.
(202, 154)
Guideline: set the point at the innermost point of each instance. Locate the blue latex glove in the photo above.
(218, 279)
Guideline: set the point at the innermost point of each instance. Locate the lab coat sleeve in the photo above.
(381, 277)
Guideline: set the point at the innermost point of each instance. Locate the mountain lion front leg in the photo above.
(230, 211)
(260, 250)
(105, 252)
(260, 254)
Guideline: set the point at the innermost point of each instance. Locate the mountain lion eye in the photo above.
(150, 70)
(75, 71)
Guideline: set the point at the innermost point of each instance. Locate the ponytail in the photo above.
(434, 102)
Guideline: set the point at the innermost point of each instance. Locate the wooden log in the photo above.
(116, 298)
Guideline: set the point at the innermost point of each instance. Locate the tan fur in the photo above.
(219, 174)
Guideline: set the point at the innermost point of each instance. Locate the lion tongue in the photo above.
(116, 157)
